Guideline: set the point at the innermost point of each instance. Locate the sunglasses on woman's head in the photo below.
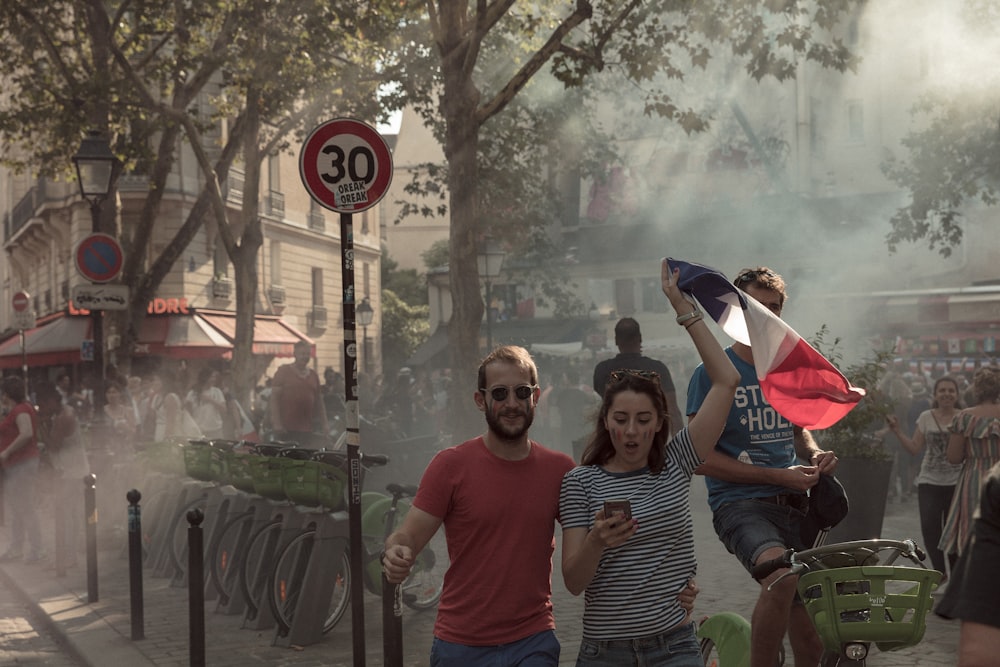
(522, 392)
(619, 375)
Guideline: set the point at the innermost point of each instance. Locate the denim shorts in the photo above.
(748, 528)
(675, 648)
(538, 650)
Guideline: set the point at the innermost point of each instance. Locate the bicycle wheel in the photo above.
(226, 552)
(178, 534)
(287, 580)
(422, 589)
(253, 568)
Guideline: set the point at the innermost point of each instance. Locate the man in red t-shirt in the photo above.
(296, 403)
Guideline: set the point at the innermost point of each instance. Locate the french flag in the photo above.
(798, 382)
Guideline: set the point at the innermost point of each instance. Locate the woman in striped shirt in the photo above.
(632, 565)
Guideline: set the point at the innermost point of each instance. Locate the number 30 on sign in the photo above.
(345, 165)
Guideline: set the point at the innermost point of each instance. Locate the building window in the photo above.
(317, 287)
(652, 297)
(855, 122)
(366, 278)
(625, 297)
(276, 262)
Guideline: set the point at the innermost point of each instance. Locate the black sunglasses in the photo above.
(750, 276)
(522, 392)
(619, 375)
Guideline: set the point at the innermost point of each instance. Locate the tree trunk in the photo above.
(459, 103)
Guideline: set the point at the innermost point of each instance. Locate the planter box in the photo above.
(867, 485)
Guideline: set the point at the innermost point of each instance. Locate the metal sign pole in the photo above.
(353, 439)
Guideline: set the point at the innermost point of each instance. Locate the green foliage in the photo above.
(853, 436)
(436, 256)
(953, 160)
(404, 327)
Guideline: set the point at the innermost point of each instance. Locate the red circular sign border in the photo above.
(27, 302)
(81, 266)
(318, 138)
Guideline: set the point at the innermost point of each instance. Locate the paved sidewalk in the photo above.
(100, 632)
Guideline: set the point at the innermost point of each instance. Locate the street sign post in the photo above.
(99, 258)
(24, 316)
(346, 165)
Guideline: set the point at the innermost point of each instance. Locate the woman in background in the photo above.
(937, 477)
(19, 458)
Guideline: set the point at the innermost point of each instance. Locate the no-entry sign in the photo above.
(345, 165)
(20, 302)
(99, 258)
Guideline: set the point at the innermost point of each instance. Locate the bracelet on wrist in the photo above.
(681, 319)
(687, 325)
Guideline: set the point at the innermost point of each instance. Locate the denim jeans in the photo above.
(677, 648)
(538, 650)
(20, 487)
(749, 527)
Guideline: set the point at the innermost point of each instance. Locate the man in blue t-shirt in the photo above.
(757, 488)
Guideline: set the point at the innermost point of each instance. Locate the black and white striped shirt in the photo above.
(634, 591)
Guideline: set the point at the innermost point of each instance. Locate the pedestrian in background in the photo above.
(628, 338)
(59, 435)
(296, 401)
(633, 566)
(19, 458)
(937, 477)
(207, 404)
(980, 587)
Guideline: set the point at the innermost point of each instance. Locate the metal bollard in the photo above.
(392, 624)
(196, 588)
(59, 509)
(135, 563)
(90, 511)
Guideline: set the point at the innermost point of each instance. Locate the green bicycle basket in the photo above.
(204, 462)
(314, 484)
(239, 472)
(266, 471)
(165, 457)
(883, 604)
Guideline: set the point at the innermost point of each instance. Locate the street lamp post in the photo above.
(364, 313)
(490, 261)
(96, 169)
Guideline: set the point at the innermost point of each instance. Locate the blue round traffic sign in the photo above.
(99, 258)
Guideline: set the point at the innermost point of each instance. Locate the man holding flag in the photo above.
(757, 486)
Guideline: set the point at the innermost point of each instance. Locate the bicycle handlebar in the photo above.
(858, 551)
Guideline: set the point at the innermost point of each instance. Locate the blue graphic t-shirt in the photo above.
(755, 433)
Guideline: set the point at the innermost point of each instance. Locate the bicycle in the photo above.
(855, 597)
(290, 574)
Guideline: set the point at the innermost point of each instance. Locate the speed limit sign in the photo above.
(345, 165)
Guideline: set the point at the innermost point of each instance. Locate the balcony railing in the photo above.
(25, 209)
(276, 293)
(275, 203)
(317, 317)
(234, 187)
(316, 221)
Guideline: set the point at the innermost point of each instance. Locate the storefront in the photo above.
(175, 333)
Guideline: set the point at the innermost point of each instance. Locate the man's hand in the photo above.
(800, 478)
(396, 563)
(687, 597)
(825, 461)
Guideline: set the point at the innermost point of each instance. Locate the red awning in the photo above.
(271, 335)
(56, 341)
(180, 337)
(203, 335)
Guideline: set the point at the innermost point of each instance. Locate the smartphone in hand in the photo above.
(612, 507)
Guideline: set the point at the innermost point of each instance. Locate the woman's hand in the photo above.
(668, 281)
(612, 532)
